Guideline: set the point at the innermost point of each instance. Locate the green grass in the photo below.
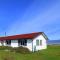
(51, 53)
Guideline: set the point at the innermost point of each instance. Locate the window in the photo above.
(22, 42)
(8, 42)
(25, 42)
(40, 42)
(37, 42)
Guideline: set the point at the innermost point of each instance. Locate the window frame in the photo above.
(22, 42)
(37, 42)
(40, 42)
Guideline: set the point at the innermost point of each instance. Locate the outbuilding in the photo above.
(33, 41)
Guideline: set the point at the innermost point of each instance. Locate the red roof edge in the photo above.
(21, 36)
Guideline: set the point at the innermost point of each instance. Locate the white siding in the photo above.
(0, 43)
(14, 43)
(5, 43)
(43, 46)
(29, 44)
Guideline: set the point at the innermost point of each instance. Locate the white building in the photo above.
(32, 41)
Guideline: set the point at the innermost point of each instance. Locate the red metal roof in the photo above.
(21, 36)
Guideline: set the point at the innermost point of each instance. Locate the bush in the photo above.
(16, 49)
(21, 50)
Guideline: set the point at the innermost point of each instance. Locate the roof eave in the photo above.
(45, 36)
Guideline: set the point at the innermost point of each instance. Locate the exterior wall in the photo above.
(40, 47)
(4, 43)
(0, 43)
(14, 43)
(29, 44)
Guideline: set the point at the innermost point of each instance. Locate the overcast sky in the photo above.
(26, 16)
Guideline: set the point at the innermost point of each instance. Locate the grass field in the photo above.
(51, 53)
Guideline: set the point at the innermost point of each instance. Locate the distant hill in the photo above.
(49, 42)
